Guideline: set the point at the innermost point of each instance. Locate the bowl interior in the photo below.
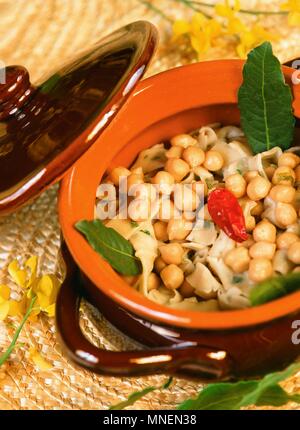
(173, 102)
(181, 122)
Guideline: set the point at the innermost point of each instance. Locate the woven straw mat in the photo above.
(41, 34)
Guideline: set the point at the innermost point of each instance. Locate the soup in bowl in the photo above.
(195, 103)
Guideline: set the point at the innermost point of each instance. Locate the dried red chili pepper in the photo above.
(227, 213)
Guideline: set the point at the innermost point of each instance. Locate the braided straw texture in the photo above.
(41, 34)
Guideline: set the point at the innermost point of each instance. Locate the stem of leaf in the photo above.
(152, 7)
(192, 5)
(11, 347)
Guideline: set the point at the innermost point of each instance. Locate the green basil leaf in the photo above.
(137, 395)
(116, 250)
(221, 396)
(265, 102)
(233, 396)
(274, 288)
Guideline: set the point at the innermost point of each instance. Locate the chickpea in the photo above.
(177, 168)
(171, 253)
(283, 193)
(174, 152)
(139, 210)
(200, 188)
(260, 269)
(238, 259)
(134, 179)
(164, 180)
(178, 229)
(288, 159)
(159, 264)
(265, 232)
(144, 191)
(297, 173)
(293, 253)
(285, 214)
(251, 174)
(283, 175)
(117, 173)
(262, 250)
(167, 210)
(286, 239)
(250, 223)
(183, 140)
(160, 231)
(153, 281)
(258, 188)
(172, 276)
(213, 160)
(186, 290)
(258, 209)
(185, 198)
(194, 156)
(236, 184)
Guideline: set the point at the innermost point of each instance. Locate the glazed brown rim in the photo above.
(77, 194)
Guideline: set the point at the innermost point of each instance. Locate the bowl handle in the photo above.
(192, 360)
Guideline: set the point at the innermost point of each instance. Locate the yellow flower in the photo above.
(4, 301)
(293, 7)
(227, 11)
(18, 275)
(198, 22)
(16, 308)
(40, 362)
(181, 27)
(235, 26)
(200, 30)
(46, 290)
(251, 38)
(44, 287)
(9, 307)
(25, 277)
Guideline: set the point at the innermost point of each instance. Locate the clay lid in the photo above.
(45, 129)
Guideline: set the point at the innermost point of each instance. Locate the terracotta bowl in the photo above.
(220, 345)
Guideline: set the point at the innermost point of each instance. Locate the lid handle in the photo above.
(15, 89)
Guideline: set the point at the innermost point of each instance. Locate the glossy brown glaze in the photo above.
(204, 354)
(15, 91)
(44, 131)
(187, 357)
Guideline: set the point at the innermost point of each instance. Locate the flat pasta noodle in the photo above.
(146, 249)
(222, 271)
(151, 159)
